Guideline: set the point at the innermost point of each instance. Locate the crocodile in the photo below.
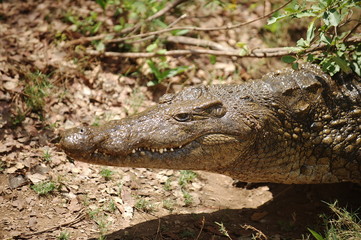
(290, 126)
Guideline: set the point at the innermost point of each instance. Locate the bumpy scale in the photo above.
(288, 127)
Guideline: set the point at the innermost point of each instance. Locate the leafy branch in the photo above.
(327, 43)
(324, 29)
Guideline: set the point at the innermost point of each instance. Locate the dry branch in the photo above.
(80, 217)
(255, 53)
(198, 42)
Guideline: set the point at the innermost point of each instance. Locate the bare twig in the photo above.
(256, 53)
(108, 38)
(158, 229)
(198, 42)
(178, 20)
(80, 217)
(200, 231)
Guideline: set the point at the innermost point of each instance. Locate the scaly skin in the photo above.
(288, 127)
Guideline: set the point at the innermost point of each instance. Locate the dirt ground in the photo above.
(98, 202)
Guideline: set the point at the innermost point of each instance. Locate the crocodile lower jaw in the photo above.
(205, 140)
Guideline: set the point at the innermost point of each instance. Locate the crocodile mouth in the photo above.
(205, 140)
(142, 151)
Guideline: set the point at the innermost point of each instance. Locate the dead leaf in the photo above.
(19, 204)
(36, 177)
(11, 85)
(74, 205)
(32, 223)
(16, 181)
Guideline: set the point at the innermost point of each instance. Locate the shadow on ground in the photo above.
(294, 208)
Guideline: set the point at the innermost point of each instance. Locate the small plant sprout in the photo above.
(223, 230)
(167, 185)
(63, 236)
(186, 176)
(169, 205)
(102, 225)
(188, 199)
(47, 155)
(111, 207)
(106, 174)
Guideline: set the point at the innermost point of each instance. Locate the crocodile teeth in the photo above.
(160, 150)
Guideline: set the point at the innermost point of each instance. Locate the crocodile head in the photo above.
(193, 129)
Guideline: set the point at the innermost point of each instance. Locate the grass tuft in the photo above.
(343, 225)
(144, 205)
(44, 188)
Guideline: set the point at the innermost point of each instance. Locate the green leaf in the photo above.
(172, 72)
(343, 64)
(275, 27)
(331, 17)
(118, 28)
(161, 51)
(160, 23)
(295, 66)
(310, 57)
(329, 66)
(241, 44)
(180, 32)
(325, 39)
(154, 69)
(152, 83)
(100, 46)
(139, 7)
(303, 43)
(315, 235)
(102, 3)
(152, 47)
(310, 32)
(276, 19)
(213, 59)
(305, 13)
(288, 59)
(96, 27)
(356, 68)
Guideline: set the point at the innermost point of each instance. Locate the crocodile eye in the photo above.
(182, 117)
